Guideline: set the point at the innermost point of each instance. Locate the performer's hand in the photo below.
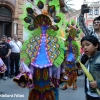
(93, 84)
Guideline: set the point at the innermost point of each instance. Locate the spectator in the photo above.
(16, 46)
(20, 40)
(90, 44)
(96, 23)
(86, 30)
(9, 39)
(5, 51)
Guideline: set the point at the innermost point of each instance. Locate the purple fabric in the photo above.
(31, 69)
(54, 72)
(3, 69)
(28, 82)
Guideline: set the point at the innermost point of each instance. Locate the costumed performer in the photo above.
(42, 50)
(72, 54)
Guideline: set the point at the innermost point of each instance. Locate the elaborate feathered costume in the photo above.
(41, 51)
(72, 54)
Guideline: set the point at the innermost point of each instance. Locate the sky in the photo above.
(78, 3)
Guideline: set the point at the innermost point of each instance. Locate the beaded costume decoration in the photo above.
(42, 49)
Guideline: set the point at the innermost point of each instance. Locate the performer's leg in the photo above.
(64, 87)
(74, 85)
(56, 93)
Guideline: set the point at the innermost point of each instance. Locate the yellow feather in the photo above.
(89, 76)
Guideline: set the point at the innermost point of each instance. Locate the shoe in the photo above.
(5, 77)
(64, 87)
(74, 87)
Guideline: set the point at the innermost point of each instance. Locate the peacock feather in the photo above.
(73, 47)
(42, 48)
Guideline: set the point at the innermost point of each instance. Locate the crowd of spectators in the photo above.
(10, 49)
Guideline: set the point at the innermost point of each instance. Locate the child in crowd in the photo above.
(90, 45)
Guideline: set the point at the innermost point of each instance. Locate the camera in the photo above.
(85, 8)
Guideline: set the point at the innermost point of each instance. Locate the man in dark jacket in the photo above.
(5, 51)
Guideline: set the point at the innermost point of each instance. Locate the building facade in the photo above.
(10, 10)
(94, 11)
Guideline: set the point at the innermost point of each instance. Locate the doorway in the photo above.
(5, 21)
(5, 28)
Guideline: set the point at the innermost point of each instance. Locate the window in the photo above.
(90, 11)
(96, 11)
(5, 12)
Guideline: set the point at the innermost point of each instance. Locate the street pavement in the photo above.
(9, 90)
(71, 94)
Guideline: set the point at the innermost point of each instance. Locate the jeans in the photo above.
(6, 61)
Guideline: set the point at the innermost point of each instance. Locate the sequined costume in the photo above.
(41, 51)
(72, 54)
